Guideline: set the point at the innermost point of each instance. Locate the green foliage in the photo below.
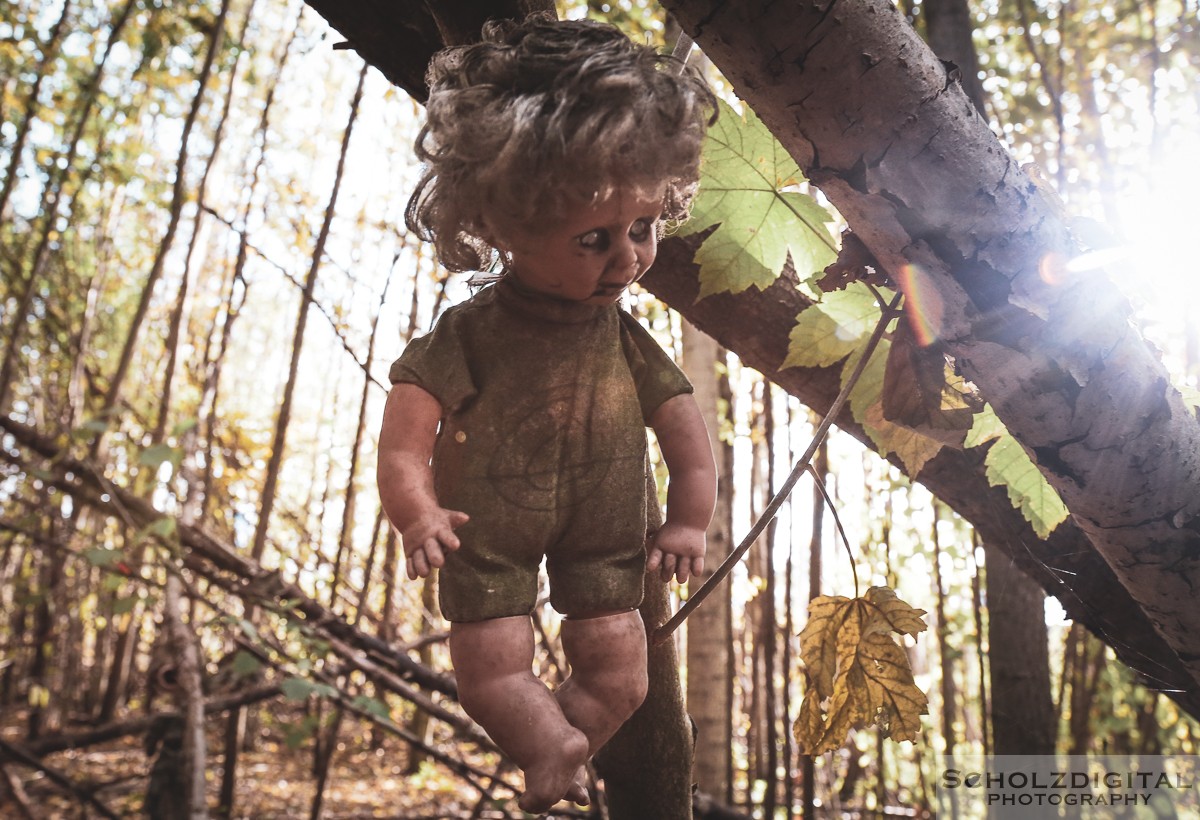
(748, 188)
(833, 328)
(1008, 464)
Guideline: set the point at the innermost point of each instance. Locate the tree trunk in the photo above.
(815, 546)
(709, 628)
(279, 442)
(178, 194)
(48, 208)
(195, 749)
(945, 654)
(16, 153)
(1022, 712)
(647, 765)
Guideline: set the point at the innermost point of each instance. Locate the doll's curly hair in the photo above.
(543, 115)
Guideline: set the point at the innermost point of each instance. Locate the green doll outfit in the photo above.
(543, 443)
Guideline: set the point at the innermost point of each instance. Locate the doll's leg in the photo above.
(608, 673)
(493, 664)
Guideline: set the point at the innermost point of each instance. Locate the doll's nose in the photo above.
(624, 257)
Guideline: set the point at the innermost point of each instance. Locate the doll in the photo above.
(515, 432)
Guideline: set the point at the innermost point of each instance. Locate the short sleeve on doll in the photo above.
(437, 363)
(656, 375)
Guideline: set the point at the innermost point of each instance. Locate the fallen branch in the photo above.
(18, 793)
(49, 744)
(212, 559)
(82, 793)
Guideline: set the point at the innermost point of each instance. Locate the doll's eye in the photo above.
(640, 230)
(596, 240)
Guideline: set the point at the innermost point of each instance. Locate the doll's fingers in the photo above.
(653, 559)
(419, 564)
(683, 570)
(433, 553)
(668, 566)
(448, 540)
(698, 566)
(457, 519)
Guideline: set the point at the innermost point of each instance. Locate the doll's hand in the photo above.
(428, 538)
(676, 550)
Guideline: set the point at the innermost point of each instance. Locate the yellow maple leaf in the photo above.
(858, 674)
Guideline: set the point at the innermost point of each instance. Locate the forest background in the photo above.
(205, 275)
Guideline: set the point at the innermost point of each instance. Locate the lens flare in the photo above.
(922, 303)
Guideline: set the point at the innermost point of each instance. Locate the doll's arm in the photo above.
(405, 478)
(678, 547)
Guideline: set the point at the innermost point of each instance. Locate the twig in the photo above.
(663, 632)
(83, 793)
(820, 484)
(18, 793)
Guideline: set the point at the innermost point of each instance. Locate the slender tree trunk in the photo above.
(283, 418)
(48, 208)
(236, 726)
(980, 643)
(351, 493)
(1022, 711)
(178, 195)
(945, 654)
(176, 321)
(195, 749)
(769, 636)
(708, 628)
(49, 51)
(325, 762)
(821, 468)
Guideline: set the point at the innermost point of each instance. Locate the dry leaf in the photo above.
(858, 674)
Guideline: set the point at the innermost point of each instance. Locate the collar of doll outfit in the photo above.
(543, 306)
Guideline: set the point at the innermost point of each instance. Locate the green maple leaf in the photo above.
(1008, 464)
(832, 329)
(744, 187)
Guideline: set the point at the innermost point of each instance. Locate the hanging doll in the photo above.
(515, 430)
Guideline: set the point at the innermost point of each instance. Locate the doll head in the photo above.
(544, 118)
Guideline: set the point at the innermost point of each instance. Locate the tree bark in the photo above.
(1022, 714)
(647, 764)
(709, 629)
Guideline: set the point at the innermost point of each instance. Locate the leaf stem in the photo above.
(837, 521)
(772, 508)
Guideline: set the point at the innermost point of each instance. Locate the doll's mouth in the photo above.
(609, 290)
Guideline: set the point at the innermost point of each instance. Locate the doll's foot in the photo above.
(550, 780)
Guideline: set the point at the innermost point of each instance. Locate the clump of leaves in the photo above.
(858, 674)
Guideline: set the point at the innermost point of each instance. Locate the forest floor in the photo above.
(275, 780)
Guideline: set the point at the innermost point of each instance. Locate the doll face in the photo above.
(595, 253)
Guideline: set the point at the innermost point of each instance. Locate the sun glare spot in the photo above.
(924, 305)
